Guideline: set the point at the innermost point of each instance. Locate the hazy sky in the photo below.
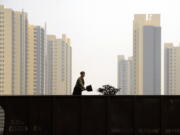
(99, 29)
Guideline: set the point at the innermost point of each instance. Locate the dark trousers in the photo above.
(77, 91)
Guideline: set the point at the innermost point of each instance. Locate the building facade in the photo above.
(13, 48)
(36, 60)
(66, 64)
(144, 26)
(125, 74)
(152, 60)
(171, 69)
(58, 66)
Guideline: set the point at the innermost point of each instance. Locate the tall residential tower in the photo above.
(171, 69)
(125, 75)
(147, 54)
(13, 50)
(36, 60)
(58, 66)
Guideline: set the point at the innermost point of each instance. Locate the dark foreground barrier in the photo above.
(90, 115)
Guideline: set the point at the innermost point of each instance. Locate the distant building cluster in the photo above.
(143, 75)
(32, 62)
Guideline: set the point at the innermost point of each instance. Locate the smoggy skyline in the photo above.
(99, 29)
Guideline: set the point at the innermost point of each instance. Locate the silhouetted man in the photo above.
(79, 87)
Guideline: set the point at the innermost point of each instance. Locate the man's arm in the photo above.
(81, 84)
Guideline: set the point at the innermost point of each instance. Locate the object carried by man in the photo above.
(89, 88)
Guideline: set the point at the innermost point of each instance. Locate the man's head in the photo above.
(82, 73)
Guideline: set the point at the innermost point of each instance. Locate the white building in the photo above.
(171, 69)
(125, 74)
(58, 66)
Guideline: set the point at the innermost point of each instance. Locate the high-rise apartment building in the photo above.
(13, 47)
(125, 75)
(36, 60)
(171, 69)
(58, 66)
(152, 60)
(147, 54)
(66, 57)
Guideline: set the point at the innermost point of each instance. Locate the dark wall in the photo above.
(91, 115)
